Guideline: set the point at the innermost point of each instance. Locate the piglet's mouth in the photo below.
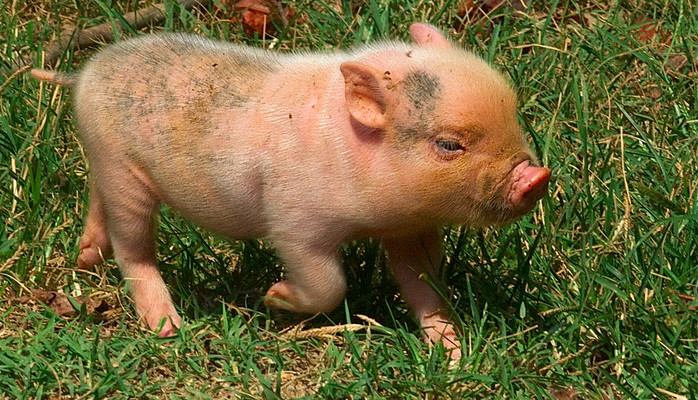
(528, 185)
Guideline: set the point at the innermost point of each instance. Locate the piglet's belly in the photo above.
(228, 204)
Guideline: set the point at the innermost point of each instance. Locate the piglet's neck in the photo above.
(311, 100)
(387, 204)
(352, 171)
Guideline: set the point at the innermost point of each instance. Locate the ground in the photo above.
(590, 296)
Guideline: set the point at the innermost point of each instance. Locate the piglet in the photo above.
(389, 141)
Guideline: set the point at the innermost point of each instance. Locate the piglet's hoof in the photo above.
(91, 253)
(281, 295)
(166, 323)
(438, 328)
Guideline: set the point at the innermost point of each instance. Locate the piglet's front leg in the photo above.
(315, 280)
(410, 258)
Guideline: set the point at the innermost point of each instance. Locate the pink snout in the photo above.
(529, 184)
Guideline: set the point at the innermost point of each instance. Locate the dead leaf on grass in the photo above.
(646, 32)
(568, 393)
(61, 304)
(676, 62)
(260, 16)
(655, 93)
(686, 297)
(478, 12)
(649, 30)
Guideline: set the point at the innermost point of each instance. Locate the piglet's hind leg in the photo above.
(131, 206)
(95, 245)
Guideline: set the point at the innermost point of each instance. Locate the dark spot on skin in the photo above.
(407, 136)
(232, 99)
(487, 182)
(386, 77)
(290, 116)
(143, 94)
(406, 133)
(212, 89)
(124, 100)
(422, 89)
(409, 54)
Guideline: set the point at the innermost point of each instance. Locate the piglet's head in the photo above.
(449, 130)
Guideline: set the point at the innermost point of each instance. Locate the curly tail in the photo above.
(59, 78)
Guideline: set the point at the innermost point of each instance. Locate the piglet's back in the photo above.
(161, 79)
(169, 108)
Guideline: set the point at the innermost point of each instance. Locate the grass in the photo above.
(593, 295)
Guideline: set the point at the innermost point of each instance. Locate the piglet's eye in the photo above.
(449, 145)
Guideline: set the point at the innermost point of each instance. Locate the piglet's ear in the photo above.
(364, 94)
(428, 36)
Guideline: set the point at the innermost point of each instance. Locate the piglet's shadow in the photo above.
(492, 277)
(203, 273)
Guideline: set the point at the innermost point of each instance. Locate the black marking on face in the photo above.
(124, 98)
(407, 136)
(422, 89)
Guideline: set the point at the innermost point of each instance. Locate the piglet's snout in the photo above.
(529, 184)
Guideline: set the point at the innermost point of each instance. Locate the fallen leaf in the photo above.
(474, 12)
(648, 30)
(568, 393)
(255, 17)
(61, 304)
(685, 297)
(467, 8)
(676, 62)
(259, 16)
(655, 93)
